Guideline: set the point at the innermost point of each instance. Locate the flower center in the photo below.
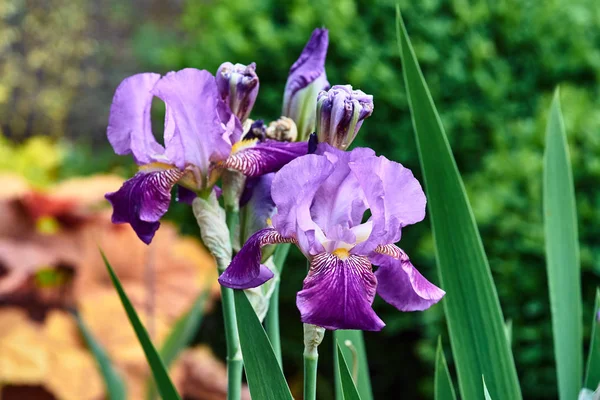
(341, 253)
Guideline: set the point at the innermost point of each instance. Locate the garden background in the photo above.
(491, 66)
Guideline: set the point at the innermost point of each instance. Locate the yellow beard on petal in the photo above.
(243, 144)
(341, 253)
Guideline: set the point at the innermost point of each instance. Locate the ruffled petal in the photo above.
(143, 200)
(245, 270)
(394, 196)
(129, 125)
(253, 158)
(293, 192)
(201, 119)
(400, 284)
(338, 293)
(306, 79)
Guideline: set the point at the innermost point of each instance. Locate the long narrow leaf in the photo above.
(346, 383)
(486, 393)
(115, 386)
(163, 382)
(592, 373)
(180, 336)
(442, 387)
(353, 347)
(475, 321)
(562, 255)
(265, 377)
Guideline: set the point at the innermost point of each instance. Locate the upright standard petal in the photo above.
(399, 282)
(201, 121)
(143, 200)
(238, 86)
(254, 158)
(293, 192)
(394, 196)
(245, 270)
(338, 293)
(306, 79)
(129, 125)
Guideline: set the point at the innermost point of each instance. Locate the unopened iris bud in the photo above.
(282, 130)
(238, 87)
(340, 113)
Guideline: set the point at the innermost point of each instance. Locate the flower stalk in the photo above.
(313, 336)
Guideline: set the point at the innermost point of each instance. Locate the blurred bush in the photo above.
(491, 67)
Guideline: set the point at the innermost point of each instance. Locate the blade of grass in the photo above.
(161, 377)
(264, 374)
(592, 373)
(443, 387)
(475, 321)
(353, 347)
(180, 336)
(115, 386)
(562, 255)
(486, 393)
(345, 379)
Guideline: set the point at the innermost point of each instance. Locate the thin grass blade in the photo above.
(161, 377)
(115, 386)
(349, 390)
(353, 347)
(562, 256)
(475, 321)
(486, 393)
(592, 373)
(265, 377)
(442, 387)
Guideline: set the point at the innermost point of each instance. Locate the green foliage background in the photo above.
(491, 67)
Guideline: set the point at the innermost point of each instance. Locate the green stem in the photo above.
(235, 364)
(310, 375)
(272, 318)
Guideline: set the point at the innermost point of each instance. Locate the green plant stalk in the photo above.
(311, 360)
(272, 318)
(235, 363)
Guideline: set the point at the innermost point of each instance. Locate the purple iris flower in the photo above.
(306, 79)
(321, 199)
(201, 135)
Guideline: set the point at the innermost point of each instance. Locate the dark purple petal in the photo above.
(254, 158)
(293, 192)
(202, 122)
(238, 86)
(129, 126)
(400, 284)
(185, 195)
(306, 79)
(143, 200)
(256, 205)
(394, 196)
(245, 270)
(340, 114)
(338, 293)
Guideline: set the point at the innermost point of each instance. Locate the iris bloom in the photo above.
(306, 79)
(201, 136)
(321, 199)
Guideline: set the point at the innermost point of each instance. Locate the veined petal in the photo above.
(293, 192)
(143, 200)
(129, 126)
(200, 117)
(394, 196)
(245, 270)
(400, 284)
(253, 158)
(338, 293)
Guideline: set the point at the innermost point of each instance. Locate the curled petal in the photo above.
(143, 200)
(394, 196)
(245, 270)
(129, 126)
(338, 293)
(256, 205)
(254, 158)
(400, 284)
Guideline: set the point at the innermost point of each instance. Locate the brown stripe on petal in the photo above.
(391, 250)
(273, 237)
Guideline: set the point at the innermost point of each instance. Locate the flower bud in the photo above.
(282, 130)
(306, 79)
(238, 87)
(340, 113)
